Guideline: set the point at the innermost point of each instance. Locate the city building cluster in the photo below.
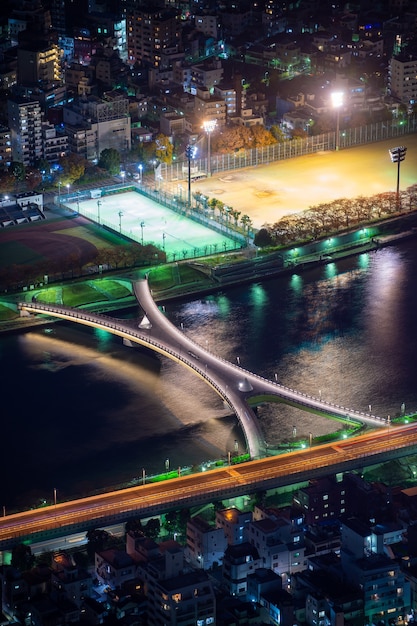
(84, 76)
(344, 551)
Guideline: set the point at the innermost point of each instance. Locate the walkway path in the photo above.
(238, 387)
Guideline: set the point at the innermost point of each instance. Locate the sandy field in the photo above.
(267, 193)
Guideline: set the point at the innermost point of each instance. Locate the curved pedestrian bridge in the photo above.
(238, 387)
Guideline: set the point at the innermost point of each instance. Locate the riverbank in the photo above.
(213, 279)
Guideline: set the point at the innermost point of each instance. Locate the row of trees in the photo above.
(332, 217)
(75, 265)
(225, 214)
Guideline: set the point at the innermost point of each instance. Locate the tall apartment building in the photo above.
(207, 107)
(150, 32)
(402, 78)
(94, 124)
(38, 63)
(5, 148)
(385, 589)
(25, 122)
(30, 16)
(175, 595)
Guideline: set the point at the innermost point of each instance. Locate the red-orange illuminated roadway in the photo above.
(218, 484)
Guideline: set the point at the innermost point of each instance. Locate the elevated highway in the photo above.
(239, 388)
(197, 489)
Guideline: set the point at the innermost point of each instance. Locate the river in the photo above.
(81, 412)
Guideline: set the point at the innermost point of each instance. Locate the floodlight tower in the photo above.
(397, 156)
(337, 100)
(209, 126)
(190, 153)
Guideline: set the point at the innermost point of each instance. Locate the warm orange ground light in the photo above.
(267, 193)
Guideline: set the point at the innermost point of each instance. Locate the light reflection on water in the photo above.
(86, 412)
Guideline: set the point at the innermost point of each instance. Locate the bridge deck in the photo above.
(233, 383)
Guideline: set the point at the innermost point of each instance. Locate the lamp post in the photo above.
(397, 156)
(59, 192)
(120, 221)
(98, 211)
(190, 152)
(337, 101)
(140, 167)
(142, 225)
(209, 126)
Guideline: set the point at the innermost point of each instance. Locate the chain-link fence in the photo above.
(348, 138)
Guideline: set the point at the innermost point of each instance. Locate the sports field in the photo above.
(266, 193)
(137, 217)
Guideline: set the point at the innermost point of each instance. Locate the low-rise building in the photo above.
(206, 544)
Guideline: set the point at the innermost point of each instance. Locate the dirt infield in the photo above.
(50, 241)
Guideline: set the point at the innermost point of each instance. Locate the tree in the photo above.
(72, 168)
(163, 149)
(43, 166)
(152, 528)
(97, 541)
(263, 238)
(7, 181)
(17, 170)
(261, 137)
(22, 557)
(33, 177)
(277, 133)
(134, 525)
(110, 160)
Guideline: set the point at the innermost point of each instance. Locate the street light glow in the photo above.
(337, 101)
(209, 126)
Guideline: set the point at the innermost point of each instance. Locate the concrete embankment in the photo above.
(228, 275)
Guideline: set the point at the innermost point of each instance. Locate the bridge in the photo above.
(63, 518)
(239, 388)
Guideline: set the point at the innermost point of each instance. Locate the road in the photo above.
(217, 484)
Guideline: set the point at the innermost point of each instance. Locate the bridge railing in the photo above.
(301, 398)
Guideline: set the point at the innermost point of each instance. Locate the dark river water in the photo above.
(81, 412)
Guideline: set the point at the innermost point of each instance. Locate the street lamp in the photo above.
(98, 210)
(59, 192)
(397, 156)
(123, 174)
(120, 221)
(190, 153)
(142, 224)
(337, 101)
(140, 167)
(209, 126)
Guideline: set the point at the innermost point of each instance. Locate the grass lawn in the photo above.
(167, 276)
(6, 313)
(112, 288)
(79, 294)
(50, 295)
